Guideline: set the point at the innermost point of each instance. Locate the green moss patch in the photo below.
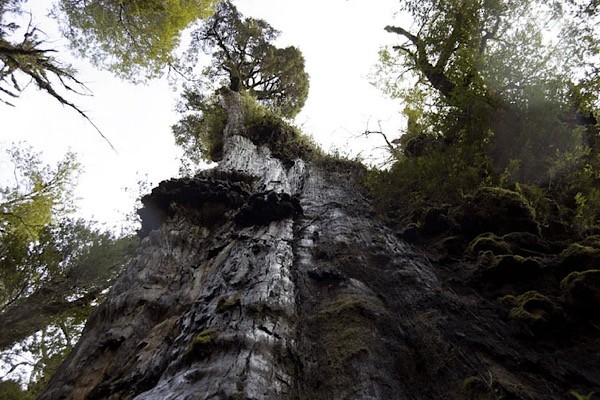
(475, 388)
(201, 134)
(286, 142)
(202, 344)
(579, 257)
(532, 309)
(435, 221)
(226, 304)
(582, 291)
(341, 164)
(348, 326)
(453, 245)
(496, 210)
(489, 242)
(592, 241)
(526, 243)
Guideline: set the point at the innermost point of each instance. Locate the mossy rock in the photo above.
(496, 210)
(592, 241)
(579, 257)
(582, 292)
(489, 242)
(533, 310)
(515, 269)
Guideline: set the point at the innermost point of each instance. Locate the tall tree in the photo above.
(243, 53)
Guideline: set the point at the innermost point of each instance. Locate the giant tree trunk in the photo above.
(260, 280)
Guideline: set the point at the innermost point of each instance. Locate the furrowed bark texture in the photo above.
(260, 281)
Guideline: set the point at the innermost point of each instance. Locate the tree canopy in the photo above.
(135, 39)
(244, 59)
(481, 64)
(497, 92)
(243, 54)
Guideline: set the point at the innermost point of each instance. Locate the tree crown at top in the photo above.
(243, 54)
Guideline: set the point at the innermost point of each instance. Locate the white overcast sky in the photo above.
(339, 39)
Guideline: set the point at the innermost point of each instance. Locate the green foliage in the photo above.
(433, 177)
(495, 93)
(37, 192)
(53, 269)
(336, 163)
(30, 60)
(135, 39)
(582, 187)
(11, 390)
(200, 131)
(243, 53)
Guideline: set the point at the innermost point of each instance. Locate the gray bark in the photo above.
(323, 304)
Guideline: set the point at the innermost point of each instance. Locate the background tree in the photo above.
(28, 59)
(489, 62)
(244, 58)
(496, 93)
(135, 39)
(53, 269)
